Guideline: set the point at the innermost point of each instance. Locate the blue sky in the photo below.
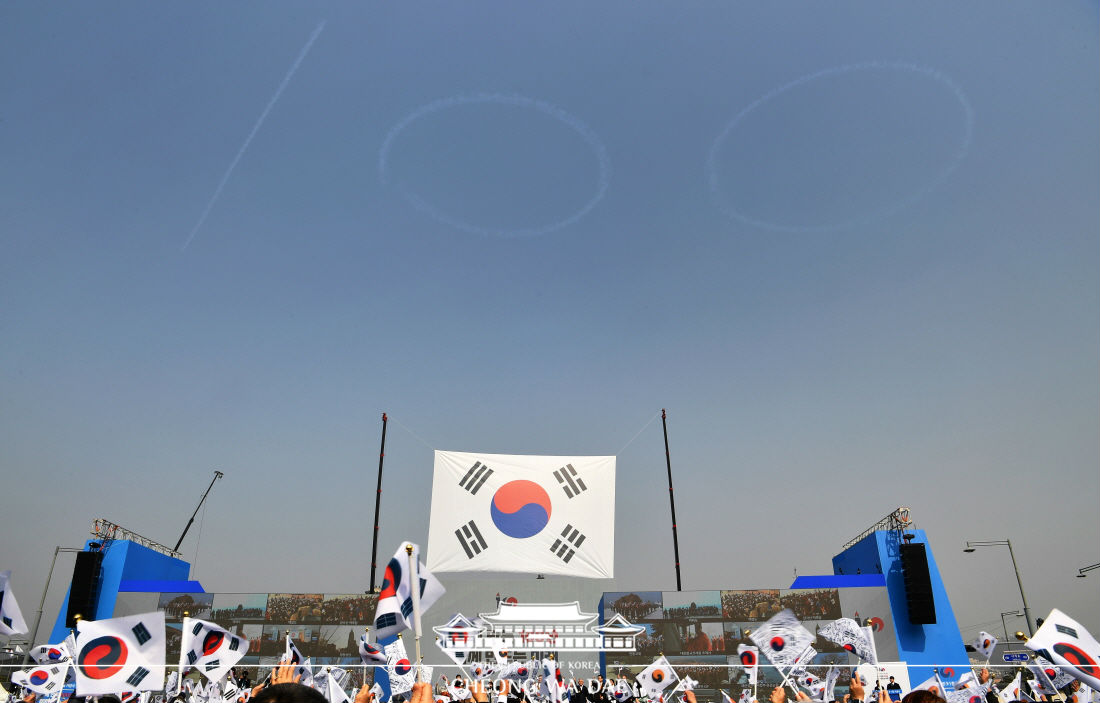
(889, 297)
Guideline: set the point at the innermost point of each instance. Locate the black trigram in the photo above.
(138, 676)
(234, 644)
(212, 664)
(1066, 630)
(407, 604)
(7, 621)
(385, 620)
(568, 544)
(570, 482)
(141, 633)
(475, 478)
(471, 540)
(196, 629)
(191, 656)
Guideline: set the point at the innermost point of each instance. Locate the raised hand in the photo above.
(422, 693)
(284, 673)
(477, 688)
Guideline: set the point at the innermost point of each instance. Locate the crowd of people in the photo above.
(692, 611)
(294, 609)
(176, 608)
(820, 604)
(348, 611)
(633, 607)
(237, 614)
(750, 605)
(281, 684)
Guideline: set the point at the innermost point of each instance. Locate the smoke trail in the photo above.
(925, 71)
(252, 134)
(568, 119)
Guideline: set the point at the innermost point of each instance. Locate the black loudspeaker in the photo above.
(84, 589)
(918, 584)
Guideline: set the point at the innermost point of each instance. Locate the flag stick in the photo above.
(414, 586)
(179, 677)
(790, 671)
(377, 505)
(939, 682)
(672, 501)
(1050, 682)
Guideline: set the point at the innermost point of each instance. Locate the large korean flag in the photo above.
(120, 654)
(1068, 644)
(528, 514)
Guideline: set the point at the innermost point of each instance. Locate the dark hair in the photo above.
(922, 696)
(289, 693)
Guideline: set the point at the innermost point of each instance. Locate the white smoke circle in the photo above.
(590, 138)
(732, 211)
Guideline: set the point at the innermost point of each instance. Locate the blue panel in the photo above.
(861, 558)
(156, 586)
(124, 560)
(838, 581)
(940, 644)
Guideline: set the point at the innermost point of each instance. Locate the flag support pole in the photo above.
(414, 586)
(179, 676)
(377, 505)
(671, 500)
(797, 661)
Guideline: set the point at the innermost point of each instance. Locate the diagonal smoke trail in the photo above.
(255, 129)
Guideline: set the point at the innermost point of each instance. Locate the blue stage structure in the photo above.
(128, 567)
(921, 646)
(869, 573)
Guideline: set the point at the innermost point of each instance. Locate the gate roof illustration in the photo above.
(564, 613)
(537, 626)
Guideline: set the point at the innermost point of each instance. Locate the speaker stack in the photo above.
(84, 589)
(918, 584)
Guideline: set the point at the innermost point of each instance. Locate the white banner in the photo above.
(525, 514)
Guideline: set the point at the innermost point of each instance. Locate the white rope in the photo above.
(636, 434)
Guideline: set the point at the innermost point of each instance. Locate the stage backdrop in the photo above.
(326, 626)
(529, 514)
(699, 630)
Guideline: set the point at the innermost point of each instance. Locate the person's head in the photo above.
(289, 693)
(922, 696)
(891, 679)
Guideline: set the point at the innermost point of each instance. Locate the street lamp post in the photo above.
(970, 546)
(42, 601)
(1081, 572)
(1016, 613)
